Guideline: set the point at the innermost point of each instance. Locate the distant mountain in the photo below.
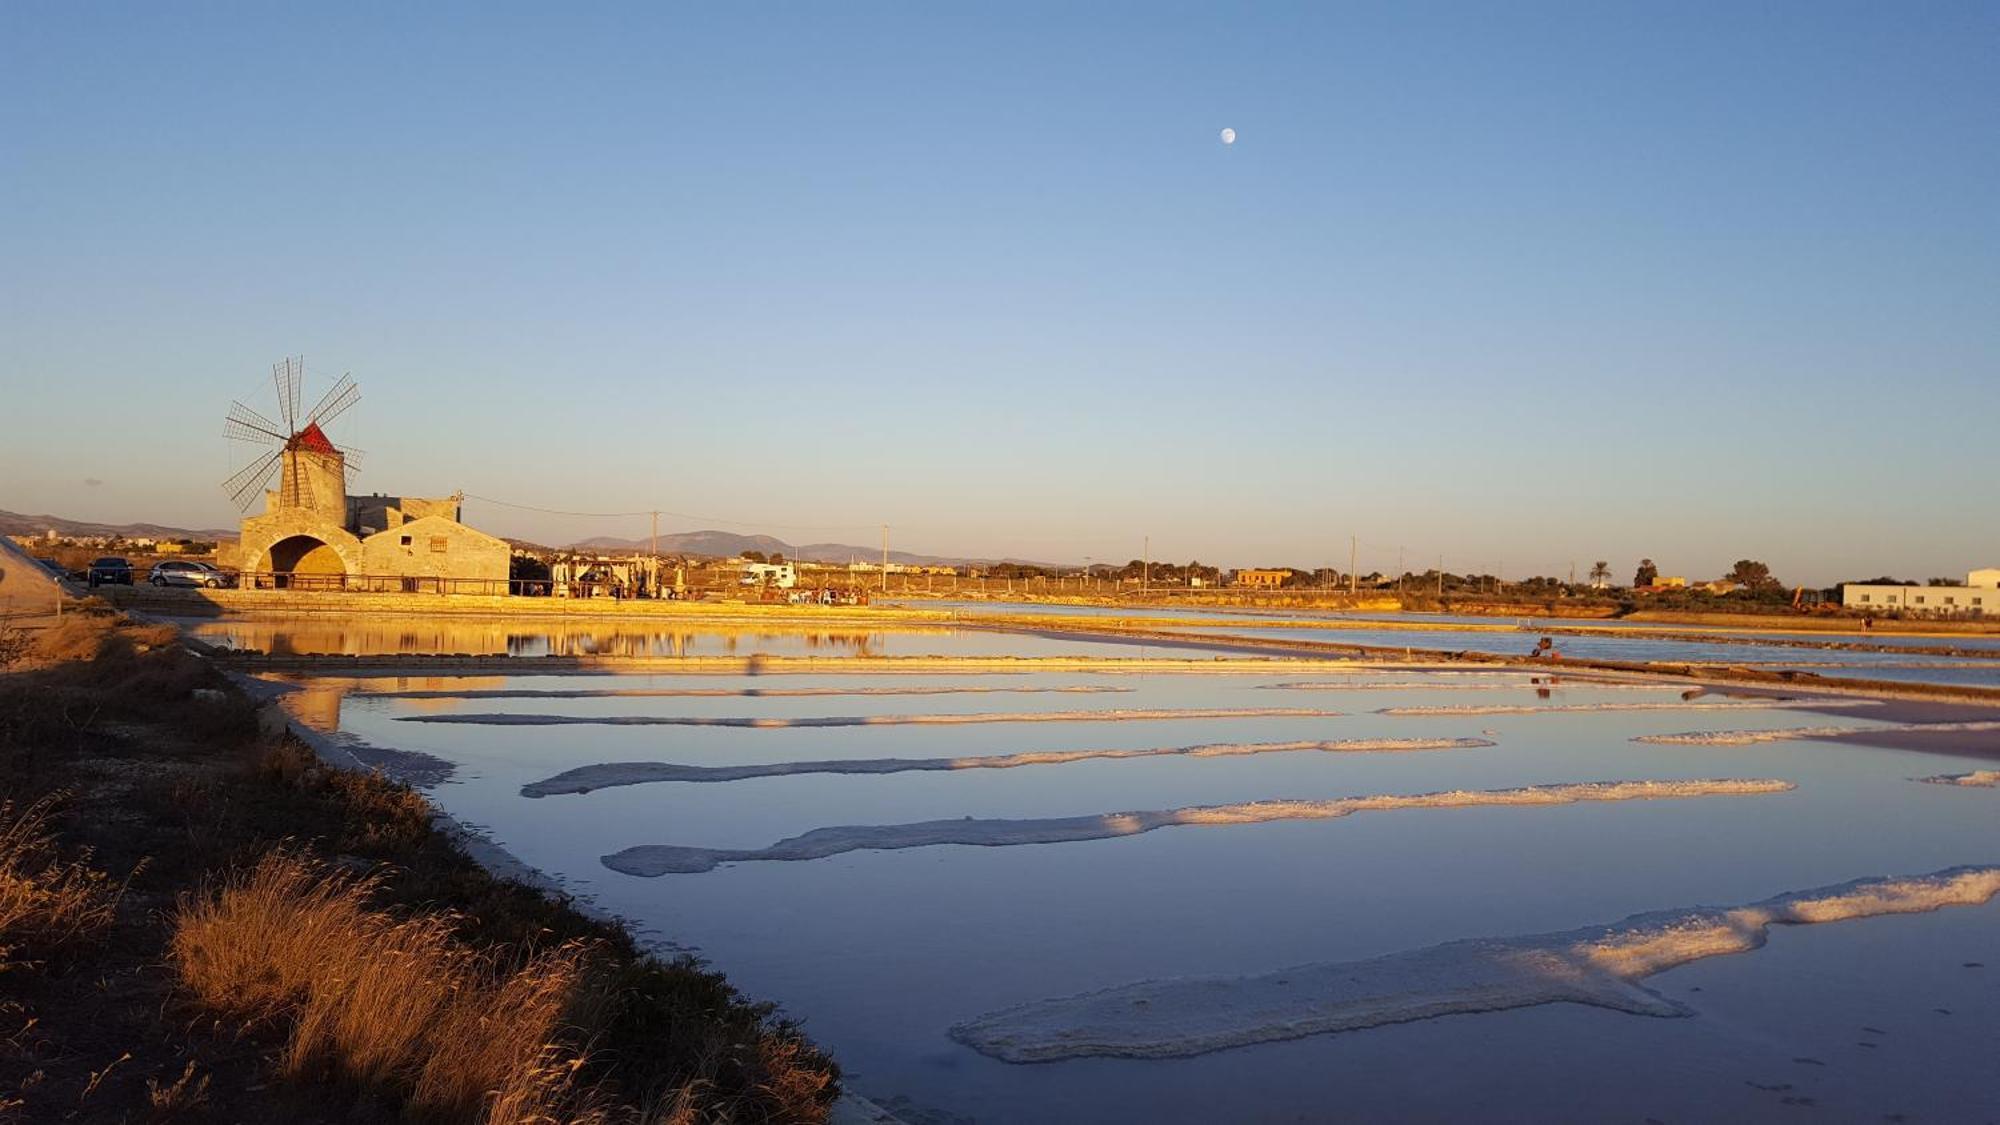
(707, 544)
(728, 544)
(14, 523)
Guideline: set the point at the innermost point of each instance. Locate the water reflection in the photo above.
(417, 636)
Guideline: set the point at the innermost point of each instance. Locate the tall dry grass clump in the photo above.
(392, 1005)
(256, 947)
(46, 902)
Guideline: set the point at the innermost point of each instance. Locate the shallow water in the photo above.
(1583, 647)
(527, 637)
(1444, 621)
(880, 952)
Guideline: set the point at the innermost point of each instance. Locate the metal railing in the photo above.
(442, 585)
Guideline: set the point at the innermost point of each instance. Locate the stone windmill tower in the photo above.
(307, 469)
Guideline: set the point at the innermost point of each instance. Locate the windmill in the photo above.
(310, 471)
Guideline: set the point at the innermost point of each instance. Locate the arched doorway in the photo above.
(305, 563)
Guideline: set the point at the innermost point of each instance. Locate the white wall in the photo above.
(1950, 600)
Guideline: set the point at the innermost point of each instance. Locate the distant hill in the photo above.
(14, 523)
(728, 544)
(708, 544)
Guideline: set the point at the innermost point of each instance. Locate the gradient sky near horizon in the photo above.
(1518, 285)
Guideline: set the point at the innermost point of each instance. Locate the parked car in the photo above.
(177, 572)
(110, 572)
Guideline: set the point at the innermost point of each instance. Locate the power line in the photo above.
(677, 515)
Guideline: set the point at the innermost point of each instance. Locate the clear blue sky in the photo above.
(1516, 284)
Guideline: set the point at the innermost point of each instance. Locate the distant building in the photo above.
(1979, 596)
(313, 534)
(1264, 578)
(780, 575)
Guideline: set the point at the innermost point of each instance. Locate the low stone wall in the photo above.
(426, 664)
(185, 602)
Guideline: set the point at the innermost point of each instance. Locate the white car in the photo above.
(179, 573)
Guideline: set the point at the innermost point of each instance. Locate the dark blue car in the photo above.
(110, 572)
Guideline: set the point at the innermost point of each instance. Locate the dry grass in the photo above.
(438, 994)
(184, 1095)
(394, 1006)
(46, 902)
(77, 637)
(15, 644)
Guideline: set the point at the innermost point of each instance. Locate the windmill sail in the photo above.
(253, 480)
(308, 468)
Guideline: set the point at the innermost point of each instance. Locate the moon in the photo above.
(1229, 136)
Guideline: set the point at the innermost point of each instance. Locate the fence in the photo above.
(837, 586)
(300, 582)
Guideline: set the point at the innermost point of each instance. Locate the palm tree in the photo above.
(1600, 573)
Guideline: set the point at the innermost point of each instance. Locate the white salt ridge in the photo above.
(583, 779)
(1596, 965)
(1977, 779)
(1787, 734)
(1477, 685)
(668, 859)
(747, 693)
(1570, 708)
(1109, 716)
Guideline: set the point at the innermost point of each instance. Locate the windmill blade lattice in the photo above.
(245, 424)
(296, 447)
(335, 402)
(286, 376)
(254, 479)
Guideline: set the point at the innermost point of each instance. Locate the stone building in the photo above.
(1267, 579)
(312, 534)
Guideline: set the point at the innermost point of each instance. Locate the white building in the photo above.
(1979, 596)
(780, 575)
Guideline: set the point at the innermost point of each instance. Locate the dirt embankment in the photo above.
(166, 860)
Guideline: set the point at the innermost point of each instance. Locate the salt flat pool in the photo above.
(534, 637)
(881, 953)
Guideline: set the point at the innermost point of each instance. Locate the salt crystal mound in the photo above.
(1595, 965)
(1109, 716)
(743, 693)
(1977, 779)
(583, 779)
(1788, 734)
(669, 859)
(1575, 708)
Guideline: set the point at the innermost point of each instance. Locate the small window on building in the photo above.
(1864, 597)
(1951, 601)
(406, 540)
(438, 544)
(1919, 599)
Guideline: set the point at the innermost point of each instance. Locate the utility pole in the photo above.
(1353, 549)
(1399, 572)
(885, 558)
(1572, 572)
(1440, 576)
(1146, 568)
(656, 535)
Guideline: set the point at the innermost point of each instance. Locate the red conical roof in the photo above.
(312, 439)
